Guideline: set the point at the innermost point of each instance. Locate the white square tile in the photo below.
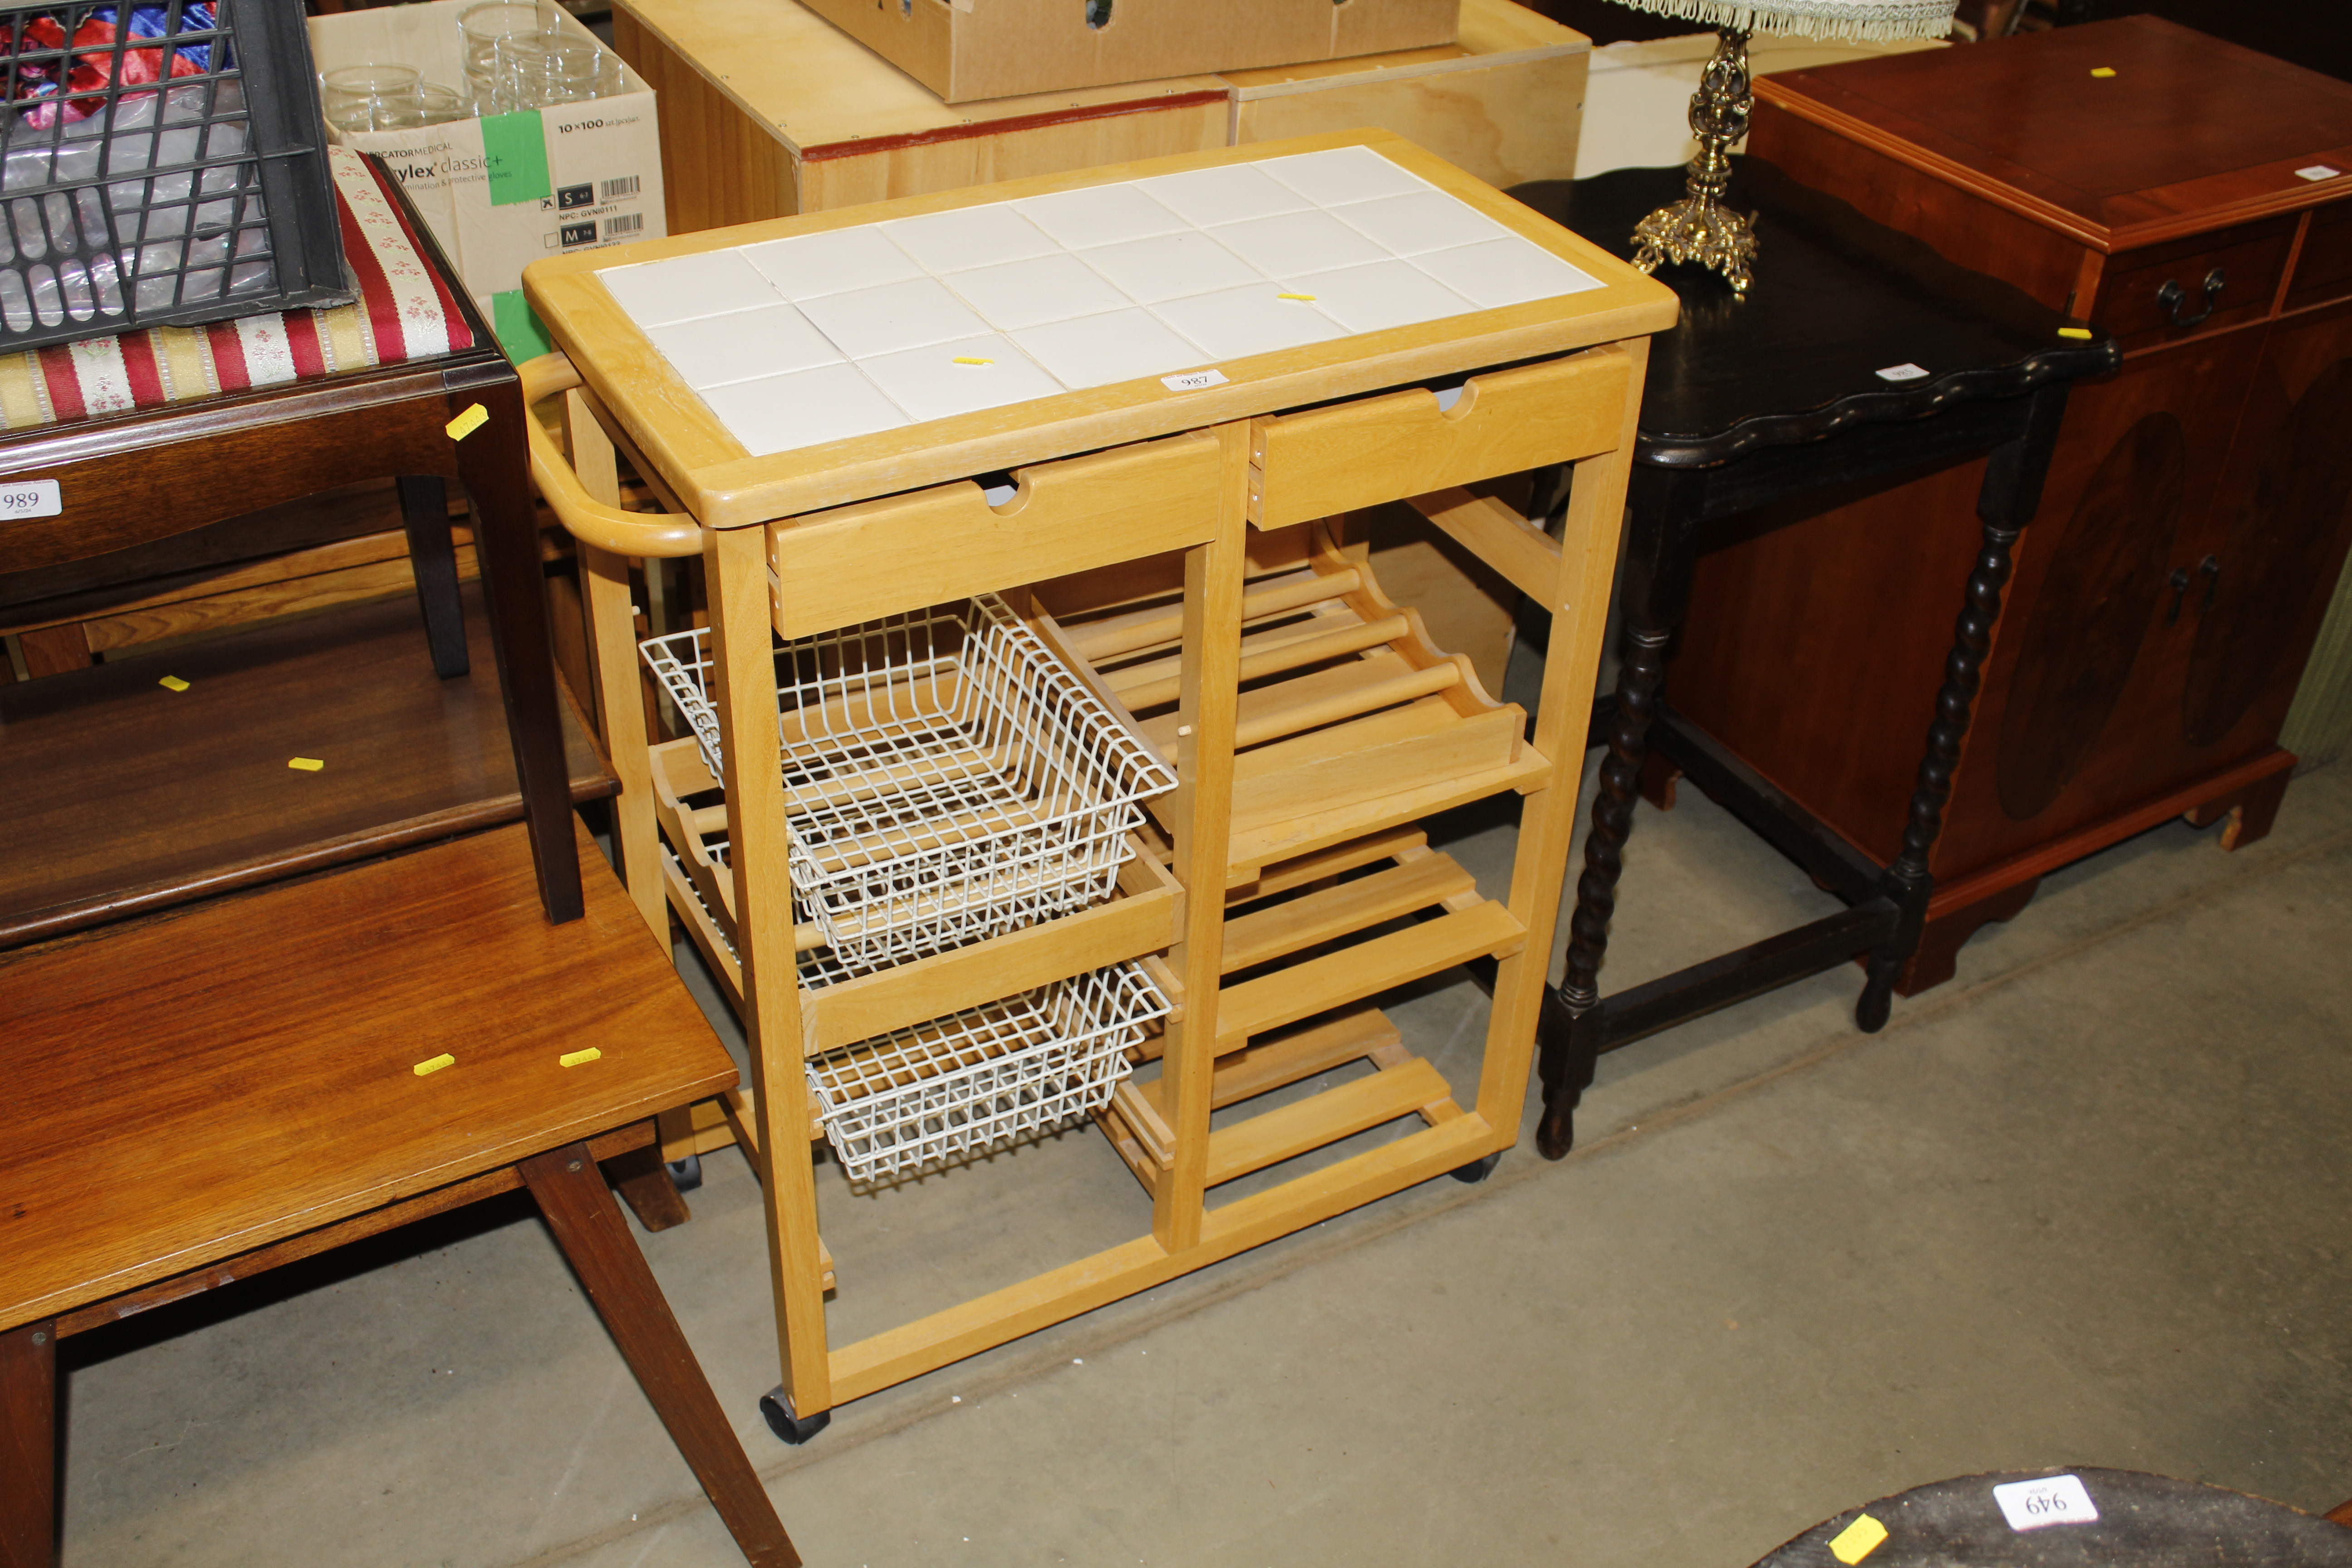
(1226, 195)
(817, 264)
(1342, 174)
(940, 379)
(1505, 273)
(1041, 289)
(1118, 345)
(1383, 294)
(1167, 266)
(869, 321)
(656, 293)
(742, 347)
(1237, 322)
(1426, 220)
(969, 236)
(778, 412)
(1297, 242)
(1102, 215)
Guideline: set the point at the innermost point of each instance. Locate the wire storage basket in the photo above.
(923, 1096)
(947, 778)
(160, 164)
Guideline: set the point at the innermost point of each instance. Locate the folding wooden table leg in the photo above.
(492, 462)
(595, 1239)
(28, 1447)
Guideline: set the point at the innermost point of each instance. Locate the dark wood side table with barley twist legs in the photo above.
(1750, 404)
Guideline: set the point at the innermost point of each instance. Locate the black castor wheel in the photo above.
(684, 1174)
(777, 1407)
(1477, 1170)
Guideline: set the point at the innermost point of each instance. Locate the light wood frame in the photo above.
(744, 515)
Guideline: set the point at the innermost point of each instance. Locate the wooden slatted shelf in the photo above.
(1300, 908)
(1350, 720)
(1319, 984)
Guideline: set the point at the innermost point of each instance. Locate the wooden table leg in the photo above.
(595, 1239)
(432, 556)
(644, 1184)
(1660, 546)
(28, 1447)
(492, 464)
(2006, 502)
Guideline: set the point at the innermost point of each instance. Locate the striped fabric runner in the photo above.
(404, 311)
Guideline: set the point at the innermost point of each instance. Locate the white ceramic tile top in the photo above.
(1165, 266)
(715, 351)
(1423, 221)
(1343, 174)
(867, 322)
(1119, 345)
(1226, 195)
(1102, 215)
(818, 264)
(1383, 294)
(1039, 290)
(969, 236)
(940, 379)
(708, 285)
(1255, 319)
(1298, 242)
(1507, 271)
(1081, 289)
(777, 413)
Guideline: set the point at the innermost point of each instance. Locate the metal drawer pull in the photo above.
(2172, 296)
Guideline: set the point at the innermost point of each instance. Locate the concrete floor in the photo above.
(2085, 1205)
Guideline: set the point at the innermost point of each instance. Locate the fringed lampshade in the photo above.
(1699, 228)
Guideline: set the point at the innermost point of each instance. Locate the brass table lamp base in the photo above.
(1699, 228)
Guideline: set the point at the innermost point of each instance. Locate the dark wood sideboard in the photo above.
(2146, 179)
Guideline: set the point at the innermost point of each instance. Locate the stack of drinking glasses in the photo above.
(387, 98)
(517, 56)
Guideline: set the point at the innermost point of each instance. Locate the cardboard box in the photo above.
(502, 192)
(964, 50)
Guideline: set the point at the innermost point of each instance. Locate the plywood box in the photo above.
(1504, 101)
(967, 49)
(768, 111)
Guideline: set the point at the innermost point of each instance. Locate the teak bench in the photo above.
(209, 1093)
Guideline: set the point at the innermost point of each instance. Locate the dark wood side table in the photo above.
(2194, 200)
(198, 1097)
(1859, 356)
(159, 456)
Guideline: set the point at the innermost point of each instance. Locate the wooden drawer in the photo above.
(1332, 460)
(878, 558)
(2323, 269)
(2251, 259)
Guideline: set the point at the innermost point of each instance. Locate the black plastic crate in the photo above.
(165, 172)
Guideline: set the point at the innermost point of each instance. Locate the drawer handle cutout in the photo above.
(2172, 296)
